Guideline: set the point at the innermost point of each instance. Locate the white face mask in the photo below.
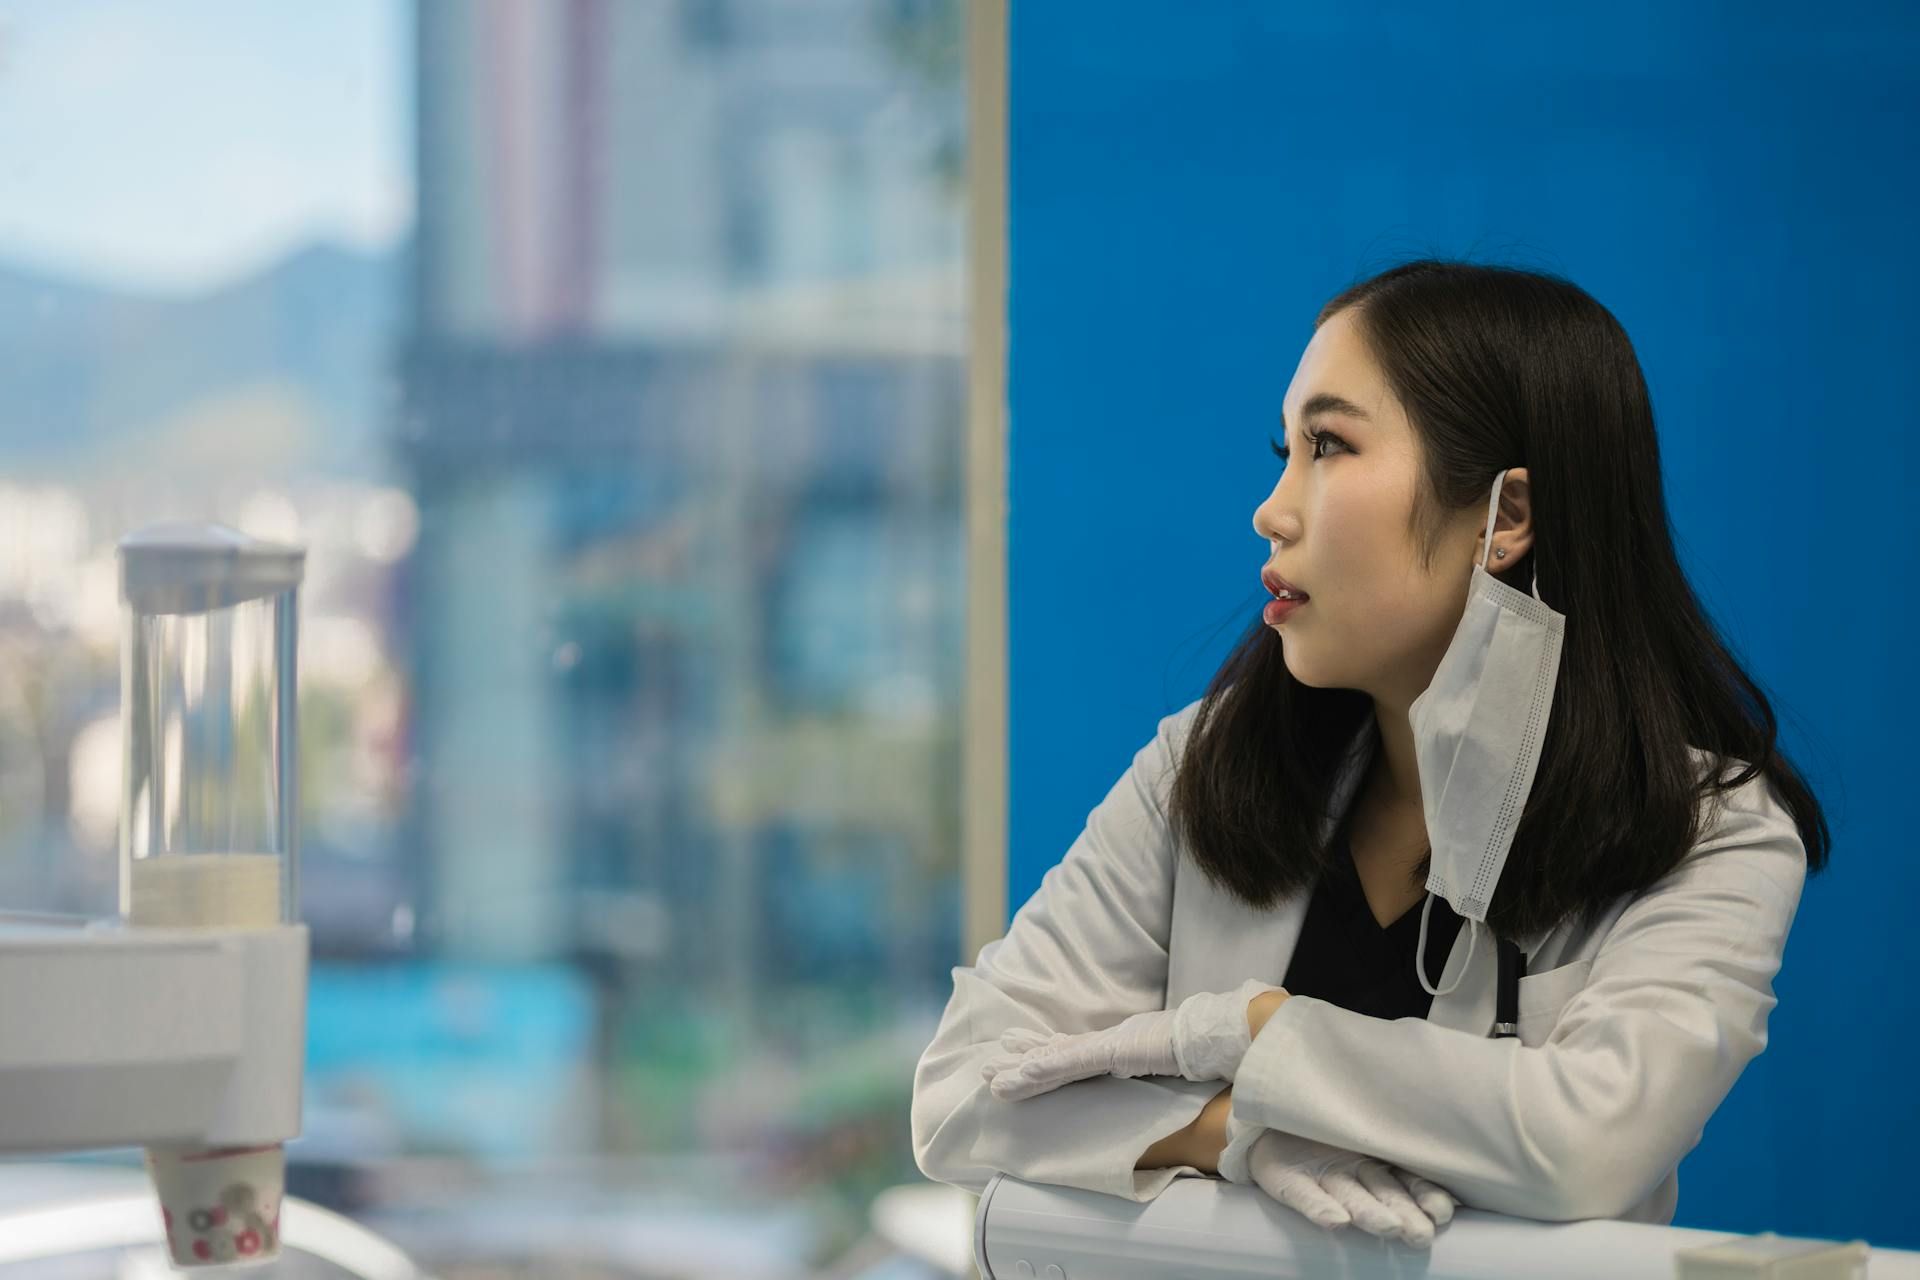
(1477, 732)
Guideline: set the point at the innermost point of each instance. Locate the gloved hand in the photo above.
(1333, 1188)
(1204, 1038)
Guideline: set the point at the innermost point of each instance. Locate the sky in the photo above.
(168, 146)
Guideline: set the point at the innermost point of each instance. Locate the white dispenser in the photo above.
(209, 829)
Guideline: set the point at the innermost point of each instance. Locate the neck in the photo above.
(1390, 833)
(1397, 776)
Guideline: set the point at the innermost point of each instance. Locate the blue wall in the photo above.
(1737, 183)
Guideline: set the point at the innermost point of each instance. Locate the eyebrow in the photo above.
(1328, 402)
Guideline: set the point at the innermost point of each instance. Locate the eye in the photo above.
(1313, 444)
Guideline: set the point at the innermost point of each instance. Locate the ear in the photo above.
(1512, 524)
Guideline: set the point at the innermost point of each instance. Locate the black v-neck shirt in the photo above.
(1344, 957)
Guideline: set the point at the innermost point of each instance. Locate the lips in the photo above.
(1275, 584)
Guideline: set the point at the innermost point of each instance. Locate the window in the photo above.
(609, 358)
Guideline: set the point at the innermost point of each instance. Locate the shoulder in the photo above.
(1745, 831)
(1748, 811)
(1177, 726)
(1741, 878)
(1162, 752)
(1149, 779)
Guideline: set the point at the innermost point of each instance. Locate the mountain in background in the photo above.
(289, 370)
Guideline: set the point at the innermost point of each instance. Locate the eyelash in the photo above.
(1313, 444)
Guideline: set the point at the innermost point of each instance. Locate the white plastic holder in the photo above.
(1209, 1229)
(113, 1037)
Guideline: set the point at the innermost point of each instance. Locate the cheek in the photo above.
(1362, 637)
(1370, 572)
(1374, 610)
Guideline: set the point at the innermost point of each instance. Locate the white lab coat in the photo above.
(1630, 1034)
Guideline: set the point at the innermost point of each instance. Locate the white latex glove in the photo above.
(1334, 1188)
(1203, 1039)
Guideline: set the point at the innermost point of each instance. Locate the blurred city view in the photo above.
(626, 443)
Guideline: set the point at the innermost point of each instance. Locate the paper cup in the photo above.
(221, 1205)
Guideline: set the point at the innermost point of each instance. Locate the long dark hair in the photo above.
(1501, 367)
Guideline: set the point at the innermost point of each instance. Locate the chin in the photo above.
(1302, 671)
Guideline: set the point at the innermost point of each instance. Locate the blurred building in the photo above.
(682, 404)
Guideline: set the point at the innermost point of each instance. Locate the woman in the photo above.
(1485, 690)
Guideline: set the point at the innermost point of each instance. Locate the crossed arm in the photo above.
(1202, 1140)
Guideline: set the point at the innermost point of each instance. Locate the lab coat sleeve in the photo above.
(1087, 950)
(1587, 1123)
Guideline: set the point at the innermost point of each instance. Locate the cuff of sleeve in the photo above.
(1149, 1183)
(1260, 1083)
(1091, 1133)
(1241, 1135)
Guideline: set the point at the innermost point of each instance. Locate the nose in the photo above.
(1267, 519)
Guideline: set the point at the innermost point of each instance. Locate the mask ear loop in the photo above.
(1493, 512)
(1420, 956)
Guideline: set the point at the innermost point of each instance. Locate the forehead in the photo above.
(1337, 362)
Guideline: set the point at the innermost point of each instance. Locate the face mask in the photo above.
(1477, 731)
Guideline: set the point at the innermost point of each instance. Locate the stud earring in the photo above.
(1500, 553)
